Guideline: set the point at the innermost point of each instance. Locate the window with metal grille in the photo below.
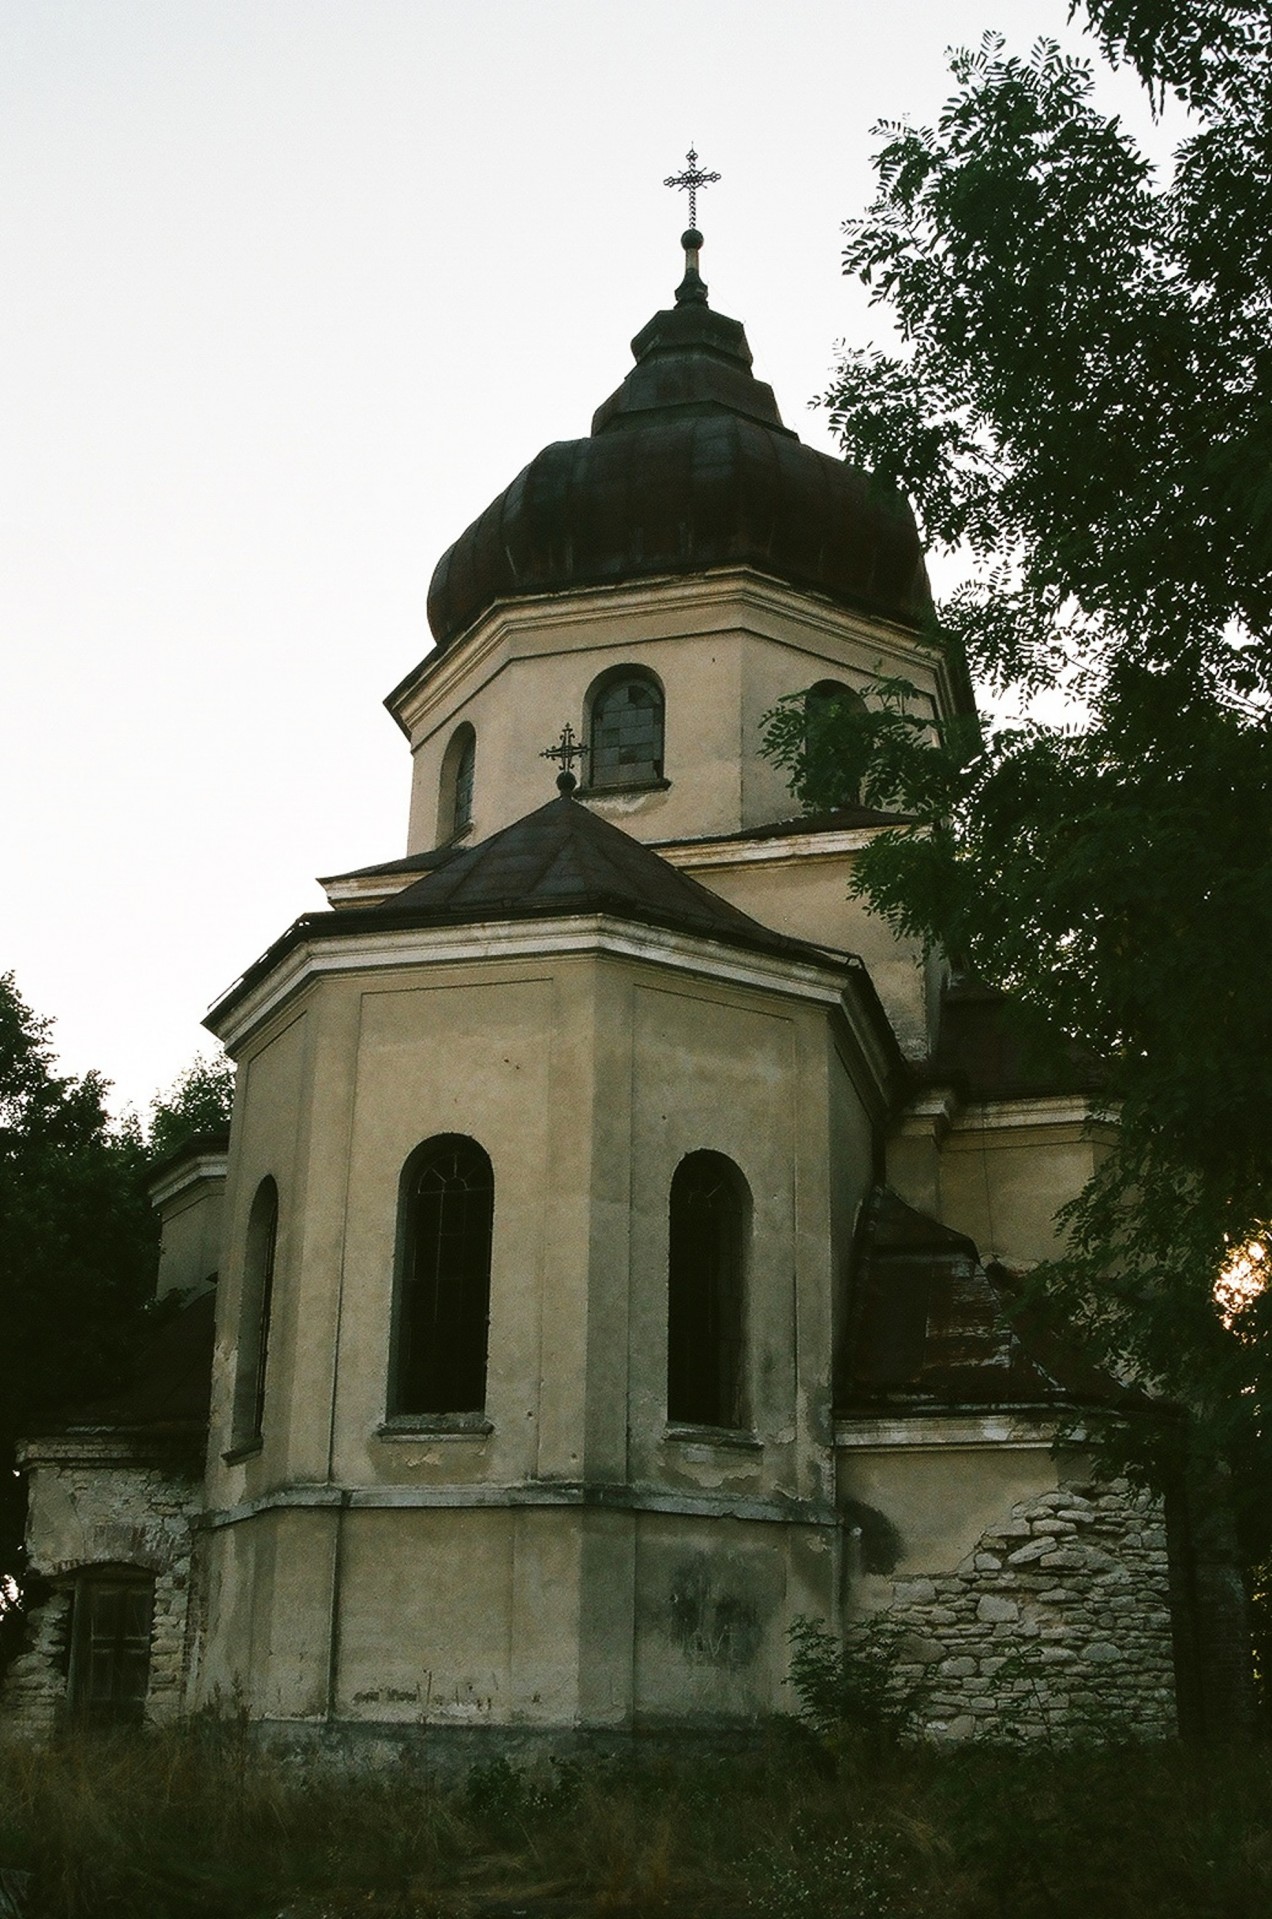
(626, 743)
(443, 1306)
(709, 1229)
(464, 771)
(254, 1316)
(110, 1647)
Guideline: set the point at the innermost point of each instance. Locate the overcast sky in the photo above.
(291, 289)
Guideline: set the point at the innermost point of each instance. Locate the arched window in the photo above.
(625, 731)
(455, 801)
(820, 702)
(254, 1316)
(710, 1228)
(110, 1645)
(443, 1302)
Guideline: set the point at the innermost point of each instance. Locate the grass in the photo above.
(165, 1825)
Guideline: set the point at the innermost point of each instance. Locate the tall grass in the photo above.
(197, 1822)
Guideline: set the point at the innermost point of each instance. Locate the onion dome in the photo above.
(688, 468)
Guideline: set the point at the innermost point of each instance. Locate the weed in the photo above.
(859, 1690)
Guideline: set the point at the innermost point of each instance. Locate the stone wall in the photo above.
(93, 1508)
(1056, 1626)
(33, 1692)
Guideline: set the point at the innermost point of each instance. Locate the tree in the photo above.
(198, 1101)
(1082, 404)
(77, 1245)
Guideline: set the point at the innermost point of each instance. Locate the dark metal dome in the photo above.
(688, 468)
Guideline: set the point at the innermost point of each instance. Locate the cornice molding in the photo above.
(938, 1432)
(209, 1167)
(706, 604)
(235, 1018)
(772, 1508)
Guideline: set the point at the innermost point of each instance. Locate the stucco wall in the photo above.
(490, 1564)
(725, 647)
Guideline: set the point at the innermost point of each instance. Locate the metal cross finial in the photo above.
(692, 178)
(566, 750)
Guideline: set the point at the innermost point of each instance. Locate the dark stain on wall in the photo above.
(711, 1618)
(878, 1540)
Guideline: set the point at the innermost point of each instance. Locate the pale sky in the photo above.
(291, 289)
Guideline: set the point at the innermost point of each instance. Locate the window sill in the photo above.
(727, 1436)
(622, 786)
(250, 1449)
(435, 1426)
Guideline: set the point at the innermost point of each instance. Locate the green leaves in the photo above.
(77, 1242)
(199, 1101)
(1083, 407)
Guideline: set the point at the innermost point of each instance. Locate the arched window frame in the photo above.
(708, 1256)
(455, 789)
(833, 693)
(440, 1342)
(256, 1304)
(605, 769)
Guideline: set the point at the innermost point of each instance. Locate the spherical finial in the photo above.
(566, 783)
(691, 240)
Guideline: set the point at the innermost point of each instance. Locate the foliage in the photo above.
(855, 1690)
(1083, 405)
(201, 1821)
(853, 1876)
(199, 1101)
(77, 1244)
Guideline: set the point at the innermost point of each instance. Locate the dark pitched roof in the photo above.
(930, 1329)
(840, 820)
(992, 1048)
(563, 858)
(412, 863)
(558, 861)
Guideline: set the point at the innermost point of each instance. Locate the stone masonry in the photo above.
(100, 1512)
(1057, 1626)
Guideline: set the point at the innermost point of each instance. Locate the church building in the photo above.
(608, 1262)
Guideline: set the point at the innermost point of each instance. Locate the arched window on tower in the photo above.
(625, 729)
(254, 1317)
(820, 702)
(706, 1285)
(455, 800)
(443, 1290)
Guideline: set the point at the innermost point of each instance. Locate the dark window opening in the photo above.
(110, 1649)
(706, 1277)
(626, 745)
(444, 1283)
(458, 777)
(254, 1316)
(464, 769)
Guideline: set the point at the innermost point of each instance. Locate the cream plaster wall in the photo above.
(804, 892)
(496, 1575)
(997, 1171)
(935, 1500)
(192, 1227)
(725, 646)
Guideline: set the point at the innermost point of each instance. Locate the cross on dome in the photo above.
(691, 179)
(566, 751)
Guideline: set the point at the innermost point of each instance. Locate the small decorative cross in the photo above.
(566, 750)
(692, 178)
